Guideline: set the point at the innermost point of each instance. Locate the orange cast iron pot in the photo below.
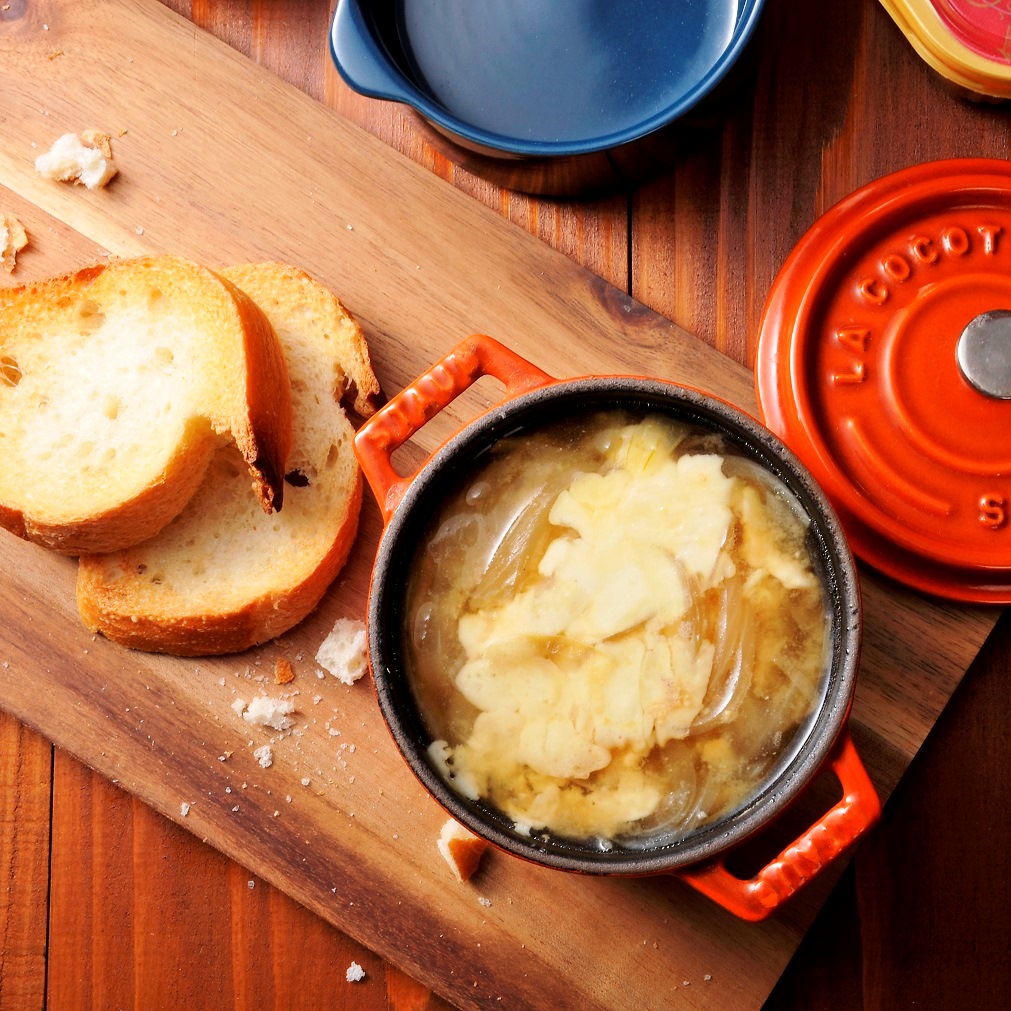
(408, 502)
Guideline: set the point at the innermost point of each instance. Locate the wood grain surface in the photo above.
(139, 911)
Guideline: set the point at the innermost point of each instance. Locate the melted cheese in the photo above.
(588, 662)
(582, 680)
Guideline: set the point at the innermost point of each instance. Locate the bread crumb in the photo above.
(343, 651)
(283, 671)
(266, 712)
(355, 973)
(461, 849)
(13, 238)
(184, 809)
(264, 756)
(83, 159)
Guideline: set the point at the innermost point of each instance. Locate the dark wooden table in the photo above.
(105, 904)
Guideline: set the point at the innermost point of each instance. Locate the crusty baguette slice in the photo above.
(222, 576)
(117, 384)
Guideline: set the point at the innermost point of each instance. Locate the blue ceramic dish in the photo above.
(535, 93)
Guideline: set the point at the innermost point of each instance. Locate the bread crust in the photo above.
(94, 315)
(110, 607)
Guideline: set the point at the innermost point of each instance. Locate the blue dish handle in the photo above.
(359, 60)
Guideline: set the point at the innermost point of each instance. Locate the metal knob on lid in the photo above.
(884, 362)
(984, 353)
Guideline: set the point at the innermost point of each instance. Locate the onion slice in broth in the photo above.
(733, 662)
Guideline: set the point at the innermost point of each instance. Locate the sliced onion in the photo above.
(510, 558)
(692, 623)
(733, 665)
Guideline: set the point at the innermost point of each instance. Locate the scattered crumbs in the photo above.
(277, 814)
(225, 756)
(228, 789)
(305, 780)
(45, 28)
(355, 973)
(343, 651)
(239, 705)
(484, 901)
(707, 977)
(236, 808)
(184, 809)
(283, 672)
(139, 230)
(251, 883)
(320, 675)
(84, 158)
(264, 756)
(266, 712)
(351, 228)
(316, 699)
(287, 798)
(221, 681)
(54, 54)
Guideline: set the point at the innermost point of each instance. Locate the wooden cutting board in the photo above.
(222, 162)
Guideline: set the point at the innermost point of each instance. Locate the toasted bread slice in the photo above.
(222, 576)
(117, 384)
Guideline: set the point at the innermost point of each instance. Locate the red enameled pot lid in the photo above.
(884, 362)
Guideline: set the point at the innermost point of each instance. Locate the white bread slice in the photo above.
(117, 384)
(222, 576)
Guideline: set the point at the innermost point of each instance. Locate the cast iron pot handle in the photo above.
(833, 833)
(387, 430)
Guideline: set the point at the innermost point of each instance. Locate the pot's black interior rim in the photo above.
(542, 406)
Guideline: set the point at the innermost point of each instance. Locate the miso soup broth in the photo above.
(615, 628)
